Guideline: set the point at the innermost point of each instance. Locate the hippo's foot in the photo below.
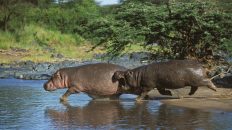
(163, 91)
(191, 93)
(209, 84)
(139, 99)
(212, 86)
(146, 97)
(168, 92)
(142, 96)
(124, 88)
(63, 99)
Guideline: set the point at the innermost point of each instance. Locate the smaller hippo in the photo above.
(92, 79)
(172, 74)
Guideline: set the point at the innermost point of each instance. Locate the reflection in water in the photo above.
(113, 115)
(25, 105)
(95, 114)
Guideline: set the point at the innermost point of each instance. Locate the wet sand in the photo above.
(204, 99)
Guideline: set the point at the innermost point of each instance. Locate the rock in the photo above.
(36, 76)
(131, 60)
(19, 76)
(18, 49)
(229, 60)
(4, 75)
(40, 67)
(58, 55)
(224, 82)
(28, 65)
(141, 56)
(99, 56)
(49, 49)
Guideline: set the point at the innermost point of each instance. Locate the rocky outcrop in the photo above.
(39, 71)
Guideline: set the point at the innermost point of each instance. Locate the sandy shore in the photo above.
(203, 104)
(204, 99)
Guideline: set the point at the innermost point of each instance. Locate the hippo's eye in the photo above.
(57, 75)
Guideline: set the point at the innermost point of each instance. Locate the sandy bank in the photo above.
(204, 99)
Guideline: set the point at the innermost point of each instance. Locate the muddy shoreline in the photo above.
(29, 70)
(205, 104)
(204, 99)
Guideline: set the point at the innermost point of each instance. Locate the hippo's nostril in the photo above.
(45, 86)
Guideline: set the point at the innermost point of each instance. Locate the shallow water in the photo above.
(25, 105)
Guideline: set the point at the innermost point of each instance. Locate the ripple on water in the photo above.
(25, 105)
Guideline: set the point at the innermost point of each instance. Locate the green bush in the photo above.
(47, 37)
(7, 40)
(179, 30)
(34, 36)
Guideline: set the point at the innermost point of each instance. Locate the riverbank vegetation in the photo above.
(47, 30)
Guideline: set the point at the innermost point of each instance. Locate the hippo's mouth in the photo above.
(51, 90)
(49, 87)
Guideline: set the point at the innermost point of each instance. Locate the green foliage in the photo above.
(34, 36)
(113, 34)
(45, 37)
(12, 14)
(41, 24)
(181, 30)
(67, 17)
(6, 40)
(171, 29)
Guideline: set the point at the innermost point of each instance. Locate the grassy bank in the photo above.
(39, 44)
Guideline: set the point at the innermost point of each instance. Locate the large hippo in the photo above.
(172, 74)
(92, 79)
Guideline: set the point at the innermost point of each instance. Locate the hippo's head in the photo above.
(125, 77)
(56, 81)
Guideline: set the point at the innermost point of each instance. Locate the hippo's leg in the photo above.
(70, 91)
(209, 84)
(115, 97)
(163, 91)
(193, 90)
(142, 96)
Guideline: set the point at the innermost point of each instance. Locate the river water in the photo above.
(25, 105)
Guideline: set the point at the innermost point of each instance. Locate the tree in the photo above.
(11, 10)
(174, 30)
(69, 16)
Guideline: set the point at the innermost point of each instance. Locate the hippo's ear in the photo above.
(57, 75)
(130, 73)
(117, 76)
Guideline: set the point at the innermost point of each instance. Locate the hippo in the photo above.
(172, 74)
(93, 79)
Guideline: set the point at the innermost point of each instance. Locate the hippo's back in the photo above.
(175, 73)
